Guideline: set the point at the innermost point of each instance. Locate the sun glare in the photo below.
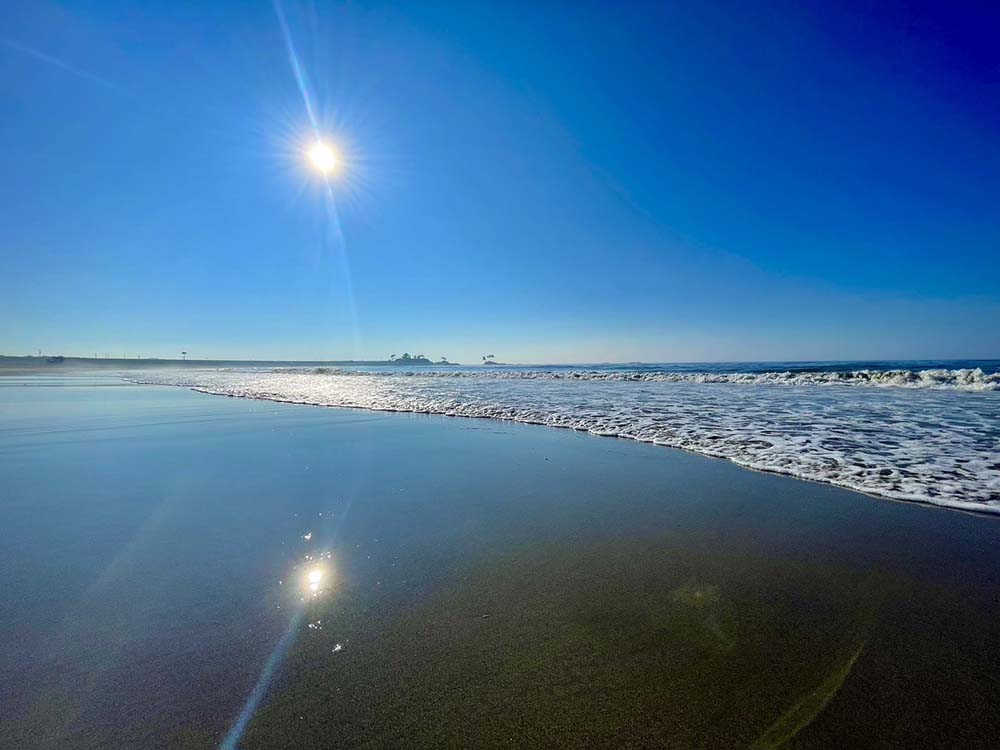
(324, 158)
(315, 581)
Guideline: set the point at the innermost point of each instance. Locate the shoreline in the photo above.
(973, 508)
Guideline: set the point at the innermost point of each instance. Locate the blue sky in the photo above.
(575, 182)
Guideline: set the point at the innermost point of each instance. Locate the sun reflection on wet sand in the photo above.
(316, 576)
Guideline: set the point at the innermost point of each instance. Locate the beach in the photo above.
(402, 376)
(485, 583)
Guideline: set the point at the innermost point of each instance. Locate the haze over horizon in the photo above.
(551, 183)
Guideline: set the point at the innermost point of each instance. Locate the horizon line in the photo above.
(496, 364)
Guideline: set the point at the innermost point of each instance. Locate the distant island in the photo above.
(417, 359)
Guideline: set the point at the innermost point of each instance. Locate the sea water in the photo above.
(920, 431)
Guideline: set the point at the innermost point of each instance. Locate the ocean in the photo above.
(925, 431)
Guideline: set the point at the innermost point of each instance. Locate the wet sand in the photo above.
(490, 585)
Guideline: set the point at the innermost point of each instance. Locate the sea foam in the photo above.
(968, 379)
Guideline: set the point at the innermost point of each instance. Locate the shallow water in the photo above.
(926, 435)
(482, 581)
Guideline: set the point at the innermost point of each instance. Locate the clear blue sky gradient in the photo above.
(575, 182)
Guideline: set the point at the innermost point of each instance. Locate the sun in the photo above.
(324, 158)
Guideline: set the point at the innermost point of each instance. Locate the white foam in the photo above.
(969, 379)
(930, 436)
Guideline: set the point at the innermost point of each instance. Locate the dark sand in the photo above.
(494, 585)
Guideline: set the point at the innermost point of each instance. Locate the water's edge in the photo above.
(977, 508)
